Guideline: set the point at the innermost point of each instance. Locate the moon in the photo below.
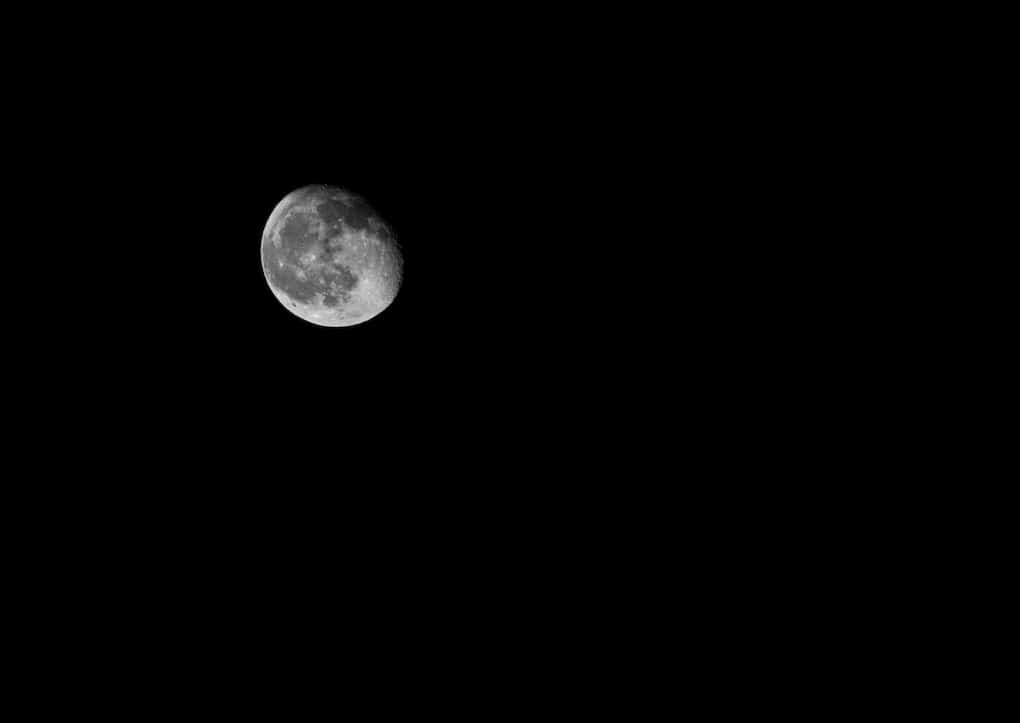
(329, 258)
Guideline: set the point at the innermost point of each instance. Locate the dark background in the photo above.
(512, 174)
(610, 228)
(614, 367)
(204, 440)
(602, 222)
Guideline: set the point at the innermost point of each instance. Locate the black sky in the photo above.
(519, 178)
(478, 167)
(581, 351)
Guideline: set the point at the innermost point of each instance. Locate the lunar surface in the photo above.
(329, 258)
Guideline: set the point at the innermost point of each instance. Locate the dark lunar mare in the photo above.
(342, 276)
(296, 232)
(339, 281)
(355, 213)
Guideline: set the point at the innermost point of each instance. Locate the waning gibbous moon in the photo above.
(329, 258)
